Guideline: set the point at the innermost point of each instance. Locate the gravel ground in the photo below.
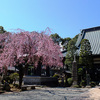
(49, 94)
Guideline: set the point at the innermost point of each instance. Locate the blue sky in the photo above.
(65, 17)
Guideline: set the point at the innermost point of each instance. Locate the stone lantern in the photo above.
(74, 71)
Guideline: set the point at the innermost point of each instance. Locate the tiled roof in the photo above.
(93, 35)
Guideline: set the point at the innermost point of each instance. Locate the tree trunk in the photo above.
(21, 73)
(47, 71)
(38, 69)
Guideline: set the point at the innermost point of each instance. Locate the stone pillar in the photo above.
(88, 79)
(74, 72)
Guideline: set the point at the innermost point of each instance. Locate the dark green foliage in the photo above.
(2, 30)
(56, 75)
(65, 42)
(7, 79)
(81, 74)
(6, 86)
(76, 86)
(70, 81)
(92, 84)
(80, 71)
(14, 77)
(85, 57)
(83, 83)
(72, 42)
(56, 38)
(70, 52)
(66, 39)
(85, 52)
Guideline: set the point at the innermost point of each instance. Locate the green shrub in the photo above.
(92, 84)
(14, 77)
(7, 79)
(70, 81)
(6, 86)
(56, 75)
(83, 83)
(76, 86)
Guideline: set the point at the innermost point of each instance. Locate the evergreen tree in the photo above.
(85, 57)
(70, 52)
(2, 30)
(66, 39)
(65, 42)
(56, 38)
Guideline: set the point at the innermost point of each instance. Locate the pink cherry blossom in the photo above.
(28, 48)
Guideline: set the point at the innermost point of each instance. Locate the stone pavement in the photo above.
(49, 94)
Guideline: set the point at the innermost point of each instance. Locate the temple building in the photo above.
(93, 35)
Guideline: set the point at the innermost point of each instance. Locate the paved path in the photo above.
(49, 94)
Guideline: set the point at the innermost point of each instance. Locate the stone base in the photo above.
(88, 86)
(37, 80)
(74, 83)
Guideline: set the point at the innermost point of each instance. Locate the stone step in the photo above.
(27, 87)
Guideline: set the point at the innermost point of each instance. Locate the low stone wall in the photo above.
(35, 80)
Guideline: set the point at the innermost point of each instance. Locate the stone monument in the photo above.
(74, 71)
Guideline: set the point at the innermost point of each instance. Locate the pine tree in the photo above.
(85, 57)
(70, 53)
(2, 30)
